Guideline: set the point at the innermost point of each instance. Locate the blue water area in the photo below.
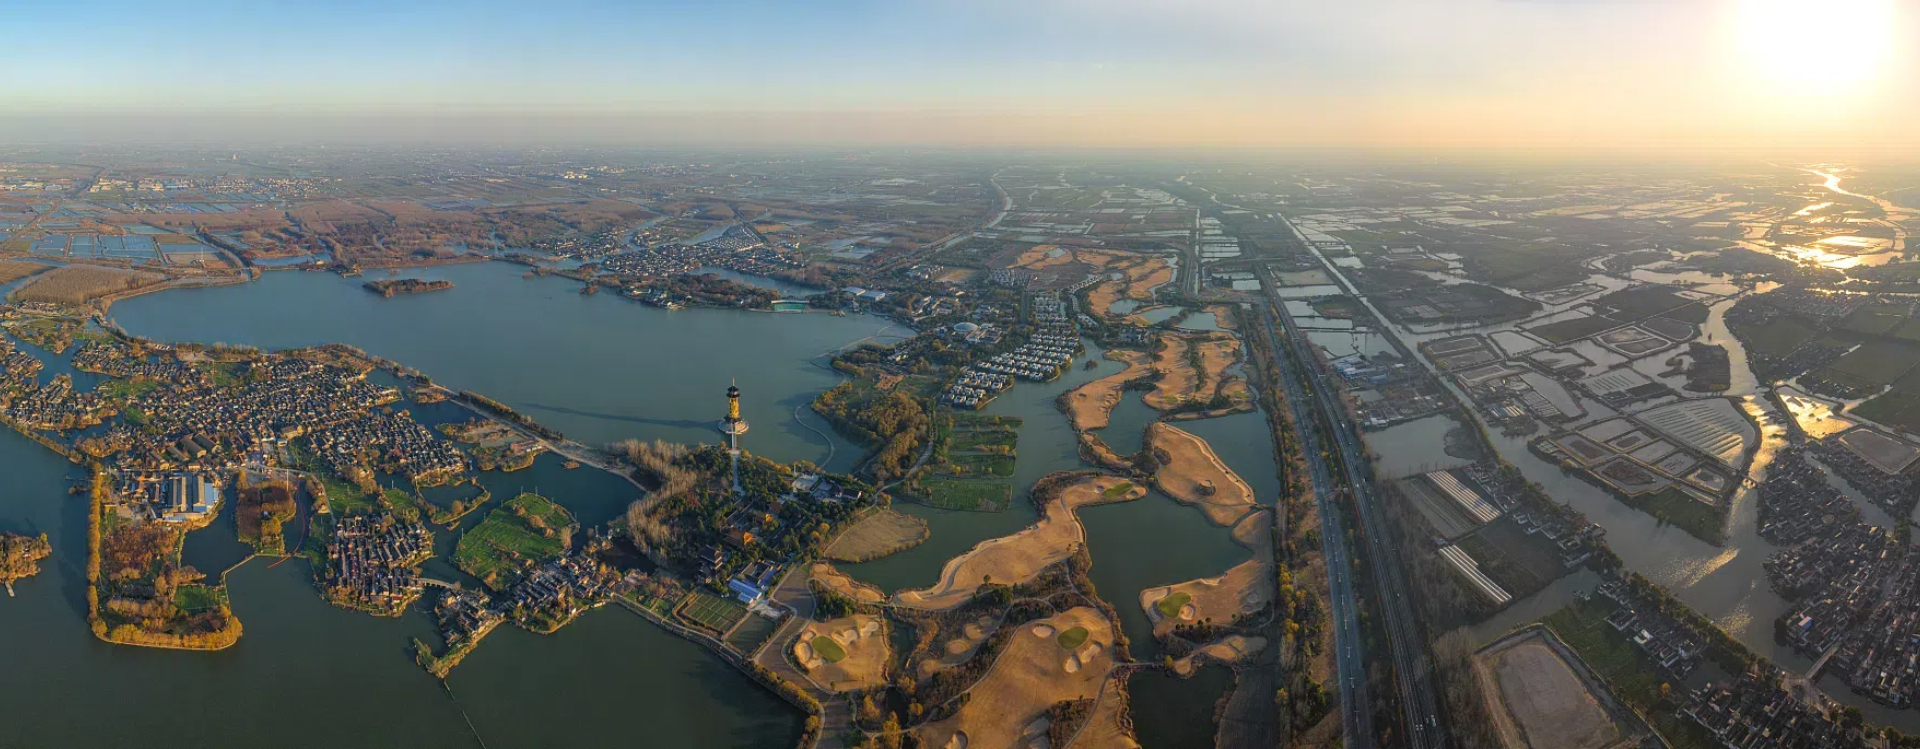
(1127, 426)
(276, 262)
(1157, 315)
(50, 246)
(1170, 712)
(1123, 306)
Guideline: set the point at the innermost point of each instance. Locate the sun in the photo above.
(1814, 46)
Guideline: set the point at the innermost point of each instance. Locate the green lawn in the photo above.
(346, 499)
(960, 494)
(1875, 319)
(660, 606)
(1674, 506)
(1898, 408)
(982, 464)
(1170, 606)
(1875, 364)
(828, 650)
(1073, 638)
(1117, 490)
(124, 390)
(1624, 667)
(971, 440)
(508, 541)
(405, 506)
(711, 612)
(755, 630)
(1567, 330)
(1519, 563)
(196, 598)
(1779, 337)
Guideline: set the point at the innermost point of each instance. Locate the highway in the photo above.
(1356, 713)
(1412, 669)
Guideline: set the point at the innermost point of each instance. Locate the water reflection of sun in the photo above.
(1836, 46)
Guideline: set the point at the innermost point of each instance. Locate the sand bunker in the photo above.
(863, 640)
(1011, 560)
(1193, 474)
(1029, 677)
(1244, 589)
(960, 649)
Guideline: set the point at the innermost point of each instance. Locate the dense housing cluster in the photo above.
(1754, 711)
(372, 562)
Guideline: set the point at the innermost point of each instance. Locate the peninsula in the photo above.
(20, 557)
(390, 287)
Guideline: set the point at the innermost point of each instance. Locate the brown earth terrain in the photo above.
(1008, 707)
(1090, 406)
(1011, 560)
(877, 535)
(839, 582)
(861, 637)
(1191, 473)
(1229, 649)
(77, 284)
(1111, 726)
(1542, 702)
(960, 649)
(1180, 383)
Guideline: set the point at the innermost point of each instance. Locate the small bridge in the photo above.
(438, 583)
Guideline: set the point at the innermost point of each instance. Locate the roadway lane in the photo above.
(1412, 669)
(1356, 716)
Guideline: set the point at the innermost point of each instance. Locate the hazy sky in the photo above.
(1680, 73)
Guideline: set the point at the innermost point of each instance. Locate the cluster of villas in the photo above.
(372, 561)
(1043, 357)
(1755, 712)
(1667, 641)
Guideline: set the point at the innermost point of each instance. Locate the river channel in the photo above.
(1726, 583)
(598, 368)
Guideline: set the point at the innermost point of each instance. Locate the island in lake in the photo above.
(20, 557)
(390, 287)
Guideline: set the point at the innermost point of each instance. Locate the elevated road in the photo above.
(1407, 647)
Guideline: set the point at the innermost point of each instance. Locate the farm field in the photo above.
(78, 284)
(1780, 337)
(876, 535)
(1573, 329)
(519, 534)
(1874, 365)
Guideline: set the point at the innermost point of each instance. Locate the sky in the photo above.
(973, 73)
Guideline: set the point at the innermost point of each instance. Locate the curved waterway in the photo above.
(598, 368)
(1726, 583)
(345, 678)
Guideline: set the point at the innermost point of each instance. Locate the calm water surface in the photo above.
(598, 368)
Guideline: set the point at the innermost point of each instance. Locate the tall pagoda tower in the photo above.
(733, 426)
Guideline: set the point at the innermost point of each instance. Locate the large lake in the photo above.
(598, 368)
